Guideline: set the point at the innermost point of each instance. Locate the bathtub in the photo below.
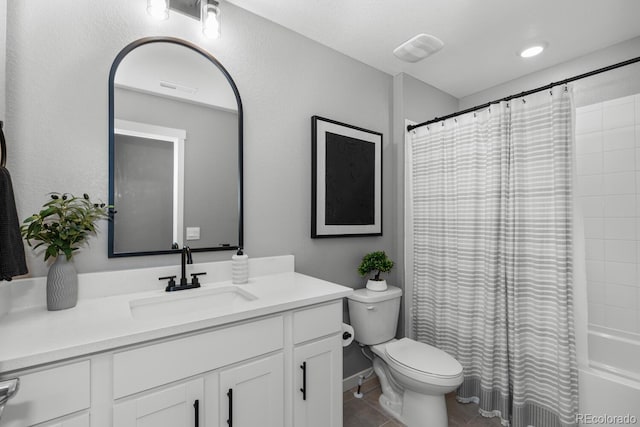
(609, 386)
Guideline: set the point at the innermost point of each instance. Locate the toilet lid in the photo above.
(424, 358)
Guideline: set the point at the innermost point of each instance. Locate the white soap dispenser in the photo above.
(239, 268)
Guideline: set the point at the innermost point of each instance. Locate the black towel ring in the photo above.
(3, 147)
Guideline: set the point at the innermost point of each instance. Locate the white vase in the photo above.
(377, 285)
(62, 285)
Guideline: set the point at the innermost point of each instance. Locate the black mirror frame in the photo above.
(112, 73)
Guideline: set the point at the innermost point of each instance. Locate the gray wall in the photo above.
(210, 156)
(609, 85)
(57, 101)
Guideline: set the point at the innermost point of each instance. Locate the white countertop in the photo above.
(34, 336)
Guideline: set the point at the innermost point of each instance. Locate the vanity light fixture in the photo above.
(210, 18)
(206, 11)
(158, 9)
(532, 51)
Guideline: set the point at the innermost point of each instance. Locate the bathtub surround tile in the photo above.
(591, 107)
(619, 206)
(621, 318)
(619, 160)
(597, 313)
(620, 251)
(589, 120)
(593, 206)
(618, 114)
(595, 271)
(592, 185)
(594, 228)
(596, 291)
(595, 249)
(619, 101)
(621, 296)
(619, 138)
(589, 164)
(616, 183)
(611, 130)
(589, 143)
(619, 228)
(620, 273)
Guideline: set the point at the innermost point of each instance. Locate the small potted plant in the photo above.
(63, 225)
(378, 262)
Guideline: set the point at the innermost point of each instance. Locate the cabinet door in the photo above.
(77, 421)
(49, 394)
(171, 406)
(252, 394)
(318, 383)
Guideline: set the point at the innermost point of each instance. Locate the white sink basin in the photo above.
(224, 299)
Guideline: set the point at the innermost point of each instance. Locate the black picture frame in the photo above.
(346, 180)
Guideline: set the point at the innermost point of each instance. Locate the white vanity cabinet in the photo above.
(174, 406)
(317, 359)
(240, 374)
(252, 394)
(51, 393)
(81, 420)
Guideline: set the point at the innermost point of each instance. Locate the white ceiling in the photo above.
(481, 37)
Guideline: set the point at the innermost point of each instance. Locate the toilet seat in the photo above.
(422, 360)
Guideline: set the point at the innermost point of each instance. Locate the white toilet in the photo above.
(414, 376)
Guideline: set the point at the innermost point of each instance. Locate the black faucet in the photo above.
(184, 283)
(186, 259)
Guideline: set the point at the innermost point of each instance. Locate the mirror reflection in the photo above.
(175, 144)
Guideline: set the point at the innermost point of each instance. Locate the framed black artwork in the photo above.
(346, 180)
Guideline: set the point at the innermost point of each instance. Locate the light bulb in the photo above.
(210, 18)
(158, 9)
(532, 51)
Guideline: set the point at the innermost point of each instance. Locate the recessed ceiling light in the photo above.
(418, 48)
(532, 50)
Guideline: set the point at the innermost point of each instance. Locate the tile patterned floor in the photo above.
(366, 412)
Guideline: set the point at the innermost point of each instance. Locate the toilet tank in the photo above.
(374, 315)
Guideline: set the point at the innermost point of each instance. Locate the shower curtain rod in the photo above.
(529, 92)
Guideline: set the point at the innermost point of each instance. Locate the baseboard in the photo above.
(352, 381)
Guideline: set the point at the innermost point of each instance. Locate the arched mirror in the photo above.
(175, 150)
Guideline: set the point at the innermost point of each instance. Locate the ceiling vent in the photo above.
(418, 48)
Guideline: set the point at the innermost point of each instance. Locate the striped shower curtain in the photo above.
(492, 251)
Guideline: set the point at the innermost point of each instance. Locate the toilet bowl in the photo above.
(414, 376)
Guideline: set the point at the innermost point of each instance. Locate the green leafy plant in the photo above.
(375, 261)
(63, 224)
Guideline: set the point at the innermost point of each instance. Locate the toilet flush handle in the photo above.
(371, 307)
